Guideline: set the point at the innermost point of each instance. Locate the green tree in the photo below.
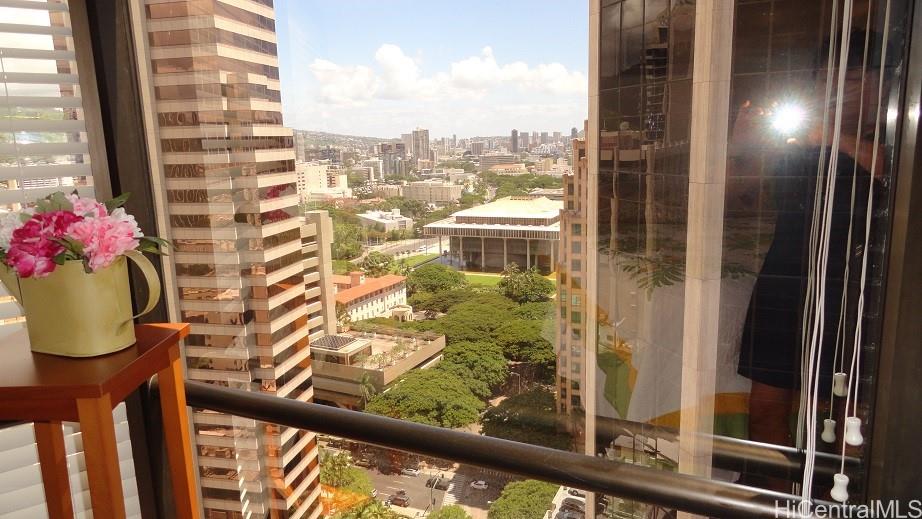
(476, 319)
(528, 499)
(535, 311)
(524, 341)
(356, 178)
(347, 240)
(367, 387)
(431, 397)
(377, 264)
(371, 509)
(485, 360)
(434, 278)
(525, 286)
(450, 512)
(478, 387)
(342, 315)
(529, 417)
(337, 470)
(440, 301)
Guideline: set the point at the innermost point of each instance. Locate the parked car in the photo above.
(576, 492)
(400, 500)
(410, 472)
(442, 484)
(479, 485)
(431, 482)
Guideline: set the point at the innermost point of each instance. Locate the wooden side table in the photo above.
(47, 390)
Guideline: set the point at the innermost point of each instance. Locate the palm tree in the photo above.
(367, 387)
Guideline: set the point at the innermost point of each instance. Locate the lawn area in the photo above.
(419, 259)
(487, 280)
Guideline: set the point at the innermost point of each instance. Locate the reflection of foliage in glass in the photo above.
(659, 271)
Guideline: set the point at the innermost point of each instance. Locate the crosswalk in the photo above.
(455, 489)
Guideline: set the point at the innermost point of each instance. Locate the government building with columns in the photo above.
(516, 229)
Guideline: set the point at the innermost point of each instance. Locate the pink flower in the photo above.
(87, 206)
(105, 239)
(32, 247)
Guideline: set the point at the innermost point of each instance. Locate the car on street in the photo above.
(570, 514)
(409, 472)
(479, 485)
(576, 492)
(400, 500)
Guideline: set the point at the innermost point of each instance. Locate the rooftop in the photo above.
(369, 286)
(515, 206)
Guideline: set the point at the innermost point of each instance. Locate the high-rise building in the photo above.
(571, 298)
(477, 148)
(514, 141)
(535, 138)
(238, 260)
(556, 137)
(524, 145)
(574, 133)
(421, 144)
(407, 140)
(544, 138)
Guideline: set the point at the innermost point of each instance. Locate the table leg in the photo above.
(101, 454)
(178, 440)
(52, 456)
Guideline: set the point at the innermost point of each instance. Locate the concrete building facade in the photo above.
(367, 298)
(571, 298)
(433, 191)
(386, 221)
(232, 200)
(515, 229)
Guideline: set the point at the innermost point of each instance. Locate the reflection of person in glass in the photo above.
(791, 134)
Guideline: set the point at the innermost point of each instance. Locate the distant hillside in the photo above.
(322, 139)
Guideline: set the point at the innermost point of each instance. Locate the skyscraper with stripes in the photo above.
(230, 182)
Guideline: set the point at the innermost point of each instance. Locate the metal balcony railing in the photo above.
(667, 489)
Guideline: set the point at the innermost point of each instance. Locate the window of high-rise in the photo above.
(502, 260)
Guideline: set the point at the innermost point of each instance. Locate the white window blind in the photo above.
(43, 149)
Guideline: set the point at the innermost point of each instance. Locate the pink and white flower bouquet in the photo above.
(66, 227)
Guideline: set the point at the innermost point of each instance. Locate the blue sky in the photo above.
(383, 67)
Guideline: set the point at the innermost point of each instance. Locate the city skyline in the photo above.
(383, 73)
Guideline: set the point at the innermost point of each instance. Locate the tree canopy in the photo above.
(525, 286)
(377, 264)
(485, 361)
(528, 499)
(371, 509)
(434, 278)
(476, 319)
(440, 301)
(430, 397)
(529, 417)
(337, 470)
(524, 341)
(450, 512)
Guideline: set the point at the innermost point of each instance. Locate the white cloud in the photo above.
(344, 85)
(398, 76)
(473, 95)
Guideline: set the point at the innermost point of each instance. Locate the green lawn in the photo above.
(419, 259)
(486, 280)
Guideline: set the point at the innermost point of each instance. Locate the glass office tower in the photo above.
(711, 162)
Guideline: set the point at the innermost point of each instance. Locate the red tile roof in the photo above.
(370, 285)
(340, 279)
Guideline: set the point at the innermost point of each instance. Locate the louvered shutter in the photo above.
(43, 149)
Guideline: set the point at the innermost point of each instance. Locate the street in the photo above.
(475, 502)
(404, 248)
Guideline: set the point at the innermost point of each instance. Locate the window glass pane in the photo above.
(726, 246)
